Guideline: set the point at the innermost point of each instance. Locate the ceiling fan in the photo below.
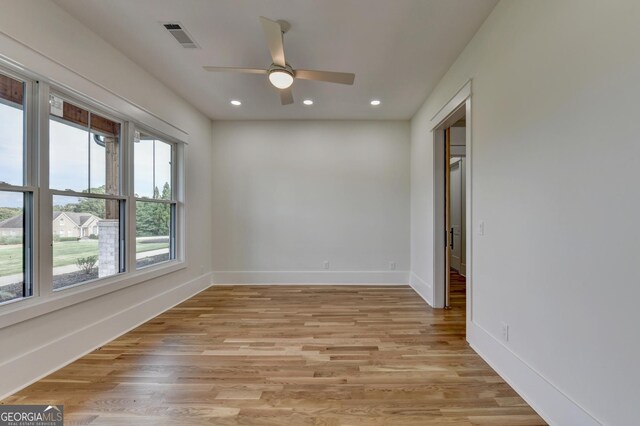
(280, 73)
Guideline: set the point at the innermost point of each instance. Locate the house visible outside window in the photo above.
(84, 178)
(86, 195)
(16, 191)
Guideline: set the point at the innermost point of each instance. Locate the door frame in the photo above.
(458, 106)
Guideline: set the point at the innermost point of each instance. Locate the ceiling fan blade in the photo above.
(328, 76)
(273, 34)
(235, 69)
(286, 96)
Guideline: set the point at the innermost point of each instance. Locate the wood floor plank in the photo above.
(289, 355)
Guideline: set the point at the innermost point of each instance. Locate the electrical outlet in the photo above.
(325, 264)
(505, 331)
(392, 266)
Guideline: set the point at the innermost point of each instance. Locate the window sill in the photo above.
(26, 309)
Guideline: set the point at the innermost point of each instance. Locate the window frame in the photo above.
(176, 202)
(43, 299)
(29, 187)
(50, 193)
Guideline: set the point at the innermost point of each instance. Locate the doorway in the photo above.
(453, 114)
(451, 152)
(455, 215)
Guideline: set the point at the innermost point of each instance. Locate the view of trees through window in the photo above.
(85, 196)
(152, 181)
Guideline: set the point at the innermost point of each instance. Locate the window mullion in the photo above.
(15, 188)
(154, 200)
(178, 195)
(44, 207)
(89, 154)
(129, 191)
(28, 285)
(31, 194)
(87, 194)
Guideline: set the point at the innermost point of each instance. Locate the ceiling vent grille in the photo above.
(180, 34)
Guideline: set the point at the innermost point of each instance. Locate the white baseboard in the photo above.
(550, 403)
(311, 277)
(423, 288)
(20, 372)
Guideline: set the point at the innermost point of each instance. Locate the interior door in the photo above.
(447, 217)
(456, 213)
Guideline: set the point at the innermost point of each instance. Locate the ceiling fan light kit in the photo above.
(280, 74)
(281, 78)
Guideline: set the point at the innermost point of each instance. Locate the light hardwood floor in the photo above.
(289, 355)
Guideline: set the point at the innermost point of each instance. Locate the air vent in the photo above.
(180, 34)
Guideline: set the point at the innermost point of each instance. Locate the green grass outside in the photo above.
(64, 253)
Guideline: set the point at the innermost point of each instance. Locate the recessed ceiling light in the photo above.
(236, 103)
(307, 102)
(375, 102)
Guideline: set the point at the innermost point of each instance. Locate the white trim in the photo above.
(547, 400)
(39, 66)
(43, 208)
(44, 299)
(439, 237)
(453, 104)
(468, 235)
(423, 288)
(28, 368)
(311, 277)
(24, 309)
(550, 402)
(459, 105)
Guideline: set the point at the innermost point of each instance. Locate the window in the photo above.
(102, 194)
(12, 125)
(155, 200)
(84, 177)
(13, 268)
(16, 197)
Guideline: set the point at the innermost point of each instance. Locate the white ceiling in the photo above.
(398, 49)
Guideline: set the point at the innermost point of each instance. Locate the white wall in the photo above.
(41, 36)
(289, 195)
(555, 158)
